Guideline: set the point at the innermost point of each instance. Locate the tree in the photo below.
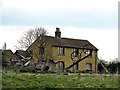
(102, 66)
(29, 37)
(42, 45)
(113, 66)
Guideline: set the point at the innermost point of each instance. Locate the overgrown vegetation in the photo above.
(37, 80)
(113, 66)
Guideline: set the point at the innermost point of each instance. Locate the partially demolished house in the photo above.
(66, 52)
(56, 53)
(9, 57)
(20, 57)
(24, 57)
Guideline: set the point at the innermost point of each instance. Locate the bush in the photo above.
(83, 71)
(28, 69)
(47, 72)
(69, 71)
(65, 73)
(33, 70)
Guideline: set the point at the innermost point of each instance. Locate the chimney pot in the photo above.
(57, 29)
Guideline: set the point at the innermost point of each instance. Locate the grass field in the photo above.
(36, 80)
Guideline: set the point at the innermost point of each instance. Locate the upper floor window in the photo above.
(61, 50)
(87, 52)
(75, 51)
(41, 50)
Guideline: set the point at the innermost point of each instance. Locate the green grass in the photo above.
(0, 80)
(36, 80)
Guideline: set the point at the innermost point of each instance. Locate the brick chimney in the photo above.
(58, 33)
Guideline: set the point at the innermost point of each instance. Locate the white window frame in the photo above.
(61, 65)
(61, 51)
(87, 52)
(74, 50)
(88, 66)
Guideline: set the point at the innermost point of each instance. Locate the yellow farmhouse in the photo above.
(66, 51)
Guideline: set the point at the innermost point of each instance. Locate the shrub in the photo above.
(65, 73)
(47, 72)
(28, 69)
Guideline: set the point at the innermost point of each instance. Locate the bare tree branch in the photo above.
(29, 37)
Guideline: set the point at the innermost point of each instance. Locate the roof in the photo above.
(22, 53)
(9, 54)
(69, 42)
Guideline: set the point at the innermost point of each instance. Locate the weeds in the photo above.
(38, 80)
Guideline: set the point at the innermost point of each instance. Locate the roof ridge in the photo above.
(66, 42)
(68, 38)
(74, 39)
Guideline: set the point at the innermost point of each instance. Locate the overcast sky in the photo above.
(94, 20)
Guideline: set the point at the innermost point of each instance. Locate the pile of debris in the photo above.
(24, 59)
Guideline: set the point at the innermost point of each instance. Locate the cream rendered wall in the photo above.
(67, 59)
(51, 52)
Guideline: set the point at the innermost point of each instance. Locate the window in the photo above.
(75, 67)
(61, 50)
(41, 50)
(75, 50)
(61, 65)
(87, 52)
(88, 66)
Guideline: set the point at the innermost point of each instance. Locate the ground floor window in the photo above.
(75, 67)
(61, 65)
(88, 66)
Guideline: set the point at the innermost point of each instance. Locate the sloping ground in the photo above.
(0, 80)
(36, 80)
